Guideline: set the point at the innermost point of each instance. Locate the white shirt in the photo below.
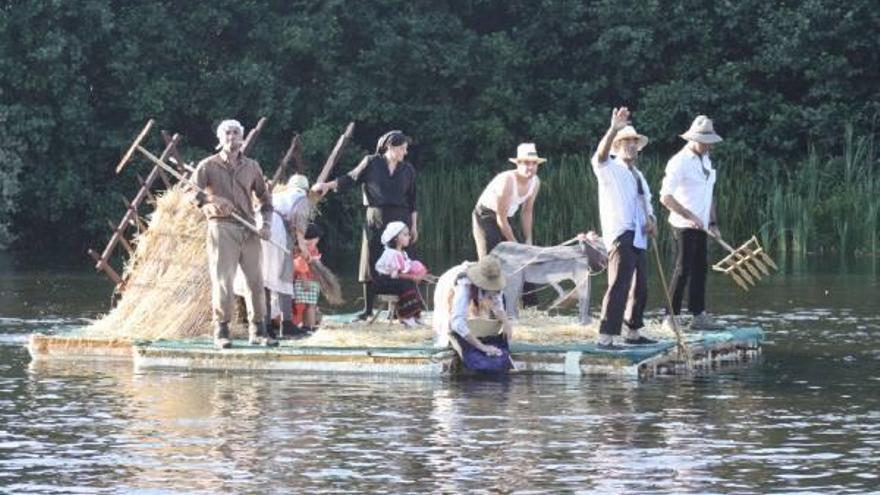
(276, 264)
(461, 304)
(393, 263)
(490, 195)
(689, 184)
(620, 205)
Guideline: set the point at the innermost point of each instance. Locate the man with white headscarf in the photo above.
(229, 180)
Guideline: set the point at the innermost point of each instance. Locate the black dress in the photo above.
(387, 198)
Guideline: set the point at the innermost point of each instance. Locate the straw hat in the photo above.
(486, 274)
(298, 181)
(484, 327)
(391, 231)
(702, 131)
(527, 151)
(630, 132)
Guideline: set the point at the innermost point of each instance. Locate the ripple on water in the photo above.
(805, 420)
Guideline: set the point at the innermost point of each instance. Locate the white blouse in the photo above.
(393, 263)
(461, 305)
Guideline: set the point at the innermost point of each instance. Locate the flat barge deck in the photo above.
(709, 351)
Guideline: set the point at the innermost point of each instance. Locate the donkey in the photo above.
(550, 265)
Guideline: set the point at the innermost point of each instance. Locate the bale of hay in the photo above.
(167, 286)
(533, 327)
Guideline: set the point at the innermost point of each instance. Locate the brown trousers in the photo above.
(231, 244)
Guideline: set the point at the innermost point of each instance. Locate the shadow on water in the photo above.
(804, 419)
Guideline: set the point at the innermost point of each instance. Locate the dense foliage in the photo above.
(468, 78)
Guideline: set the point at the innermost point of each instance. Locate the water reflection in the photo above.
(807, 418)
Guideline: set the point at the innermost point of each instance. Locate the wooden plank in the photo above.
(106, 268)
(119, 232)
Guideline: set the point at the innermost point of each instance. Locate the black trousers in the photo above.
(627, 293)
(691, 265)
(487, 235)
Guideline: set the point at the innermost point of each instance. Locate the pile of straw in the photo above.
(167, 287)
(379, 334)
(533, 326)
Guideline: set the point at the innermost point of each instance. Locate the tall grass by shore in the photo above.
(824, 203)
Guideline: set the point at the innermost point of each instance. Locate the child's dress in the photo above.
(389, 267)
(306, 289)
(394, 262)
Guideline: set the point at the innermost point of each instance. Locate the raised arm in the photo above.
(345, 181)
(619, 120)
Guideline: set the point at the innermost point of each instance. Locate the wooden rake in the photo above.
(745, 264)
(136, 146)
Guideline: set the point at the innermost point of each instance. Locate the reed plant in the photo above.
(823, 203)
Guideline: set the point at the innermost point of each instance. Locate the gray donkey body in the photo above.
(549, 265)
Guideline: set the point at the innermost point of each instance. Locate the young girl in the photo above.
(398, 275)
(306, 288)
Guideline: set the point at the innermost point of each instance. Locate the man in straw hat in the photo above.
(627, 220)
(229, 178)
(502, 198)
(466, 294)
(687, 192)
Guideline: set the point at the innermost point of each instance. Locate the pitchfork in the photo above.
(744, 264)
(136, 146)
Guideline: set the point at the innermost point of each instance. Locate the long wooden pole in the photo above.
(682, 346)
(174, 173)
(336, 153)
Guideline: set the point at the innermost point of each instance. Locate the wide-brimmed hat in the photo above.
(702, 131)
(527, 151)
(298, 181)
(391, 231)
(486, 274)
(630, 132)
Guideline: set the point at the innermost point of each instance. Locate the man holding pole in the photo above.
(627, 221)
(687, 192)
(229, 179)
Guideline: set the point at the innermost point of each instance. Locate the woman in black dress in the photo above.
(388, 183)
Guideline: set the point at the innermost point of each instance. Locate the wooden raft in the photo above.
(709, 350)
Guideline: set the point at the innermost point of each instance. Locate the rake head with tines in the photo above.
(745, 264)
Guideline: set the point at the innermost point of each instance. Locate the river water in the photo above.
(804, 419)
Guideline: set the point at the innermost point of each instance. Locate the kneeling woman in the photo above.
(398, 275)
(470, 293)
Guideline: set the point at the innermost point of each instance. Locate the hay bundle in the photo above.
(378, 334)
(330, 288)
(533, 327)
(168, 289)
